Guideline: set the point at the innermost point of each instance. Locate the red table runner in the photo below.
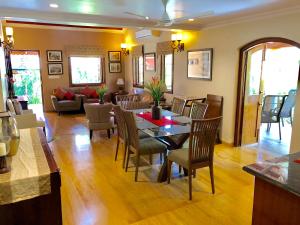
(161, 122)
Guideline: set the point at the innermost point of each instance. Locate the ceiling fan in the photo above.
(166, 20)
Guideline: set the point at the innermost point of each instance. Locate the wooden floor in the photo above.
(96, 190)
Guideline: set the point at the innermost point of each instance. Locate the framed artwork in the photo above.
(115, 67)
(200, 64)
(114, 56)
(150, 63)
(54, 55)
(55, 68)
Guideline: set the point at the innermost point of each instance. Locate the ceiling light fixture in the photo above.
(53, 5)
(191, 19)
(147, 17)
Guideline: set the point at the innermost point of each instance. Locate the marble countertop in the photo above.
(283, 172)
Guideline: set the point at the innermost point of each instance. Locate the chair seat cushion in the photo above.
(143, 135)
(67, 102)
(40, 123)
(180, 156)
(151, 145)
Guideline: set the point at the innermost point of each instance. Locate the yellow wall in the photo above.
(226, 42)
(47, 39)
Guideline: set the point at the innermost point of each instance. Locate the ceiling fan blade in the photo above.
(135, 14)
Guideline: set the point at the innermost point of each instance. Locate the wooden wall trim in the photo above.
(62, 25)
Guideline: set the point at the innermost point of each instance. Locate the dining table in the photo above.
(169, 124)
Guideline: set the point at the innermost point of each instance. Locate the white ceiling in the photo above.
(113, 12)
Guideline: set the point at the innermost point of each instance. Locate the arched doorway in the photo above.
(256, 59)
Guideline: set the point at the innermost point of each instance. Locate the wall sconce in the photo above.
(10, 39)
(125, 51)
(176, 42)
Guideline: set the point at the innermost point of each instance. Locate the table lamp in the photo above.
(120, 83)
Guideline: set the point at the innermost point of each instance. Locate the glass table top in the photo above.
(183, 125)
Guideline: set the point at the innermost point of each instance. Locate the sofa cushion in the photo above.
(94, 94)
(69, 95)
(59, 93)
(87, 91)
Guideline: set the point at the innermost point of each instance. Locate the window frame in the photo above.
(102, 75)
(135, 76)
(162, 71)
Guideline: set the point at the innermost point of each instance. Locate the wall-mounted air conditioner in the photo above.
(147, 33)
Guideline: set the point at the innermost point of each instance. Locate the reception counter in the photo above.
(276, 191)
(30, 192)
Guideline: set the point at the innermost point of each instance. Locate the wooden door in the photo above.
(253, 67)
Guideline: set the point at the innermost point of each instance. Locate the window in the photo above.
(167, 71)
(86, 70)
(138, 71)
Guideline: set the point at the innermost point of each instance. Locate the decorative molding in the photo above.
(250, 18)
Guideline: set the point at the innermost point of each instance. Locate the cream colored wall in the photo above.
(226, 42)
(47, 39)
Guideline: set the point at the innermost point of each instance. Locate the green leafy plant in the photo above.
(101, 91)
(156, 87)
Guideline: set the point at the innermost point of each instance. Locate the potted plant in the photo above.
(157, 88)
(101, 92)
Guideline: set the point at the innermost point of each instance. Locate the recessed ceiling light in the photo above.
(191, 19)
(53, 5)
(147, 17)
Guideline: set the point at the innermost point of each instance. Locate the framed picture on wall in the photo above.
(54, 55)
(115, 67)
(114, 56)
(150, 62)
(55, 68)
(200, 64)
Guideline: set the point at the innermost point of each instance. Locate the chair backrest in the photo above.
(288, 104)
(132, 131)
(10, 106)
(98, 113)
(215, 106)
(178, 105)
(121, 125)
(126, 101)
(198, 110)
(271, 108)
(202, 139)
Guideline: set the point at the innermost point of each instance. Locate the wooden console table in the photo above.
(277, 191)
(30, 192)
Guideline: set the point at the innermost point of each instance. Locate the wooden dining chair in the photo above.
(215, 109)
(178, 105)
(132, 101)
(122, 132)
(144, 146)
(200, 152)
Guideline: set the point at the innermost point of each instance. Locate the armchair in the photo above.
(66, 105)
(24, 118)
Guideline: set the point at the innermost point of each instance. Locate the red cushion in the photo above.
(69, 96)
(94, 94)
(87, 91)
(59, 93)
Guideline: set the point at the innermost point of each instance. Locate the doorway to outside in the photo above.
(270, 71)
(27, 78)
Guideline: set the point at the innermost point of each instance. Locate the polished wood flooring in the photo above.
(96, 190)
